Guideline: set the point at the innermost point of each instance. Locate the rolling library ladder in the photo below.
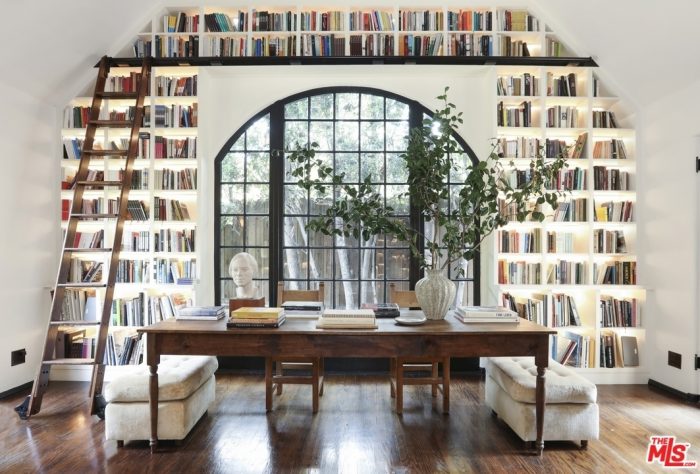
(32, 404)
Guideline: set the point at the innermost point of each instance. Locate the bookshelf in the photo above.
(159, 257)
(586, 251)
(575, 244)
(345, 30)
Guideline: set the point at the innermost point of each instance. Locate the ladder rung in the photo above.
(100, 184)
(111, 123)
(118, 95)
(106, 152)
(82, 285)
(80, 322)
(95, 216)
(86, 250)
(75, 361)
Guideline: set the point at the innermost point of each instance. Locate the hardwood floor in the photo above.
(355, 430)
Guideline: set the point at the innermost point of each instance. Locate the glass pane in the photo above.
(322, 106)
(258, 135)
(239, 144)
(231, 198)
(372, 264)
(319, 203)
(297, 110)
(458, 174)
(372, 106)
(258, 230)
(295, 263)
(228, 290)
(321, 263)
(258, 167)
(322, 133)
(396, 169)
(393, 241)
(465, 290)
(294, 231)
(225, 259)
(262, 256)
(372, 136)
(372, 292)
(395, 198)
(231, 230)
(396, 136)
(232, 168)
(346, 138)
(373, 164)
(257, 198)
(295, 200)
(347, 106)
(318, 239)
(348, 163)
(296, 133)
(396, 110)
(346, 263)
(346, 294)
(397, 263)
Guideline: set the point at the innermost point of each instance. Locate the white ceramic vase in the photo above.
(435, 293)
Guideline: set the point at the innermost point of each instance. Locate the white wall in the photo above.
(668, 240)
(228, 97)
(28, 192)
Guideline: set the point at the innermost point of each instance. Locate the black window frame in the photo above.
(276, 209)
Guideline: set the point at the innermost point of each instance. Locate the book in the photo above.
(383, 310)
(485, 312)
(630, 351)
(346, 323)
(348, 313)
(253, 312)
(200, 313)
(476, 319)
(303, 308)
(256, 323)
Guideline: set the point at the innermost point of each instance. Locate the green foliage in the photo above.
(359, 210)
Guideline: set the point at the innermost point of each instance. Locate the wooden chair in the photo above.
(276, 368)
(425, 368)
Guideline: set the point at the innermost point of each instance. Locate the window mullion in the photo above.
(276, 200)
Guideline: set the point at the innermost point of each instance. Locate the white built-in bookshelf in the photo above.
(159, 247)
(584, 254)
(538, 107)
(345, 31)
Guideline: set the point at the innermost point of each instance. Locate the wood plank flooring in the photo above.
(355, 431)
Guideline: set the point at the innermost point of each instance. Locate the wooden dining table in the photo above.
(300, 337)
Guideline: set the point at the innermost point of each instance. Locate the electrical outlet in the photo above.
(18, 357)
(674, 359)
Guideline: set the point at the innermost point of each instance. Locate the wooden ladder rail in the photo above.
(32, 404)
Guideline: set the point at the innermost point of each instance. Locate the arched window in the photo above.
(260, 210)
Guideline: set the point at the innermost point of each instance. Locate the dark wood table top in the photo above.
(386, 326)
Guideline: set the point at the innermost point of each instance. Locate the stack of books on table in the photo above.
(256, 317)
(347, 319)
(383, 310)
(486, 314)
(303, 309)
(200, 313)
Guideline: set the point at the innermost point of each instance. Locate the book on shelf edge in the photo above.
(383, 310)
(307, 306)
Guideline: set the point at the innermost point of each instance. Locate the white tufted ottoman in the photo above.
(571, 411)
(186, 386)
